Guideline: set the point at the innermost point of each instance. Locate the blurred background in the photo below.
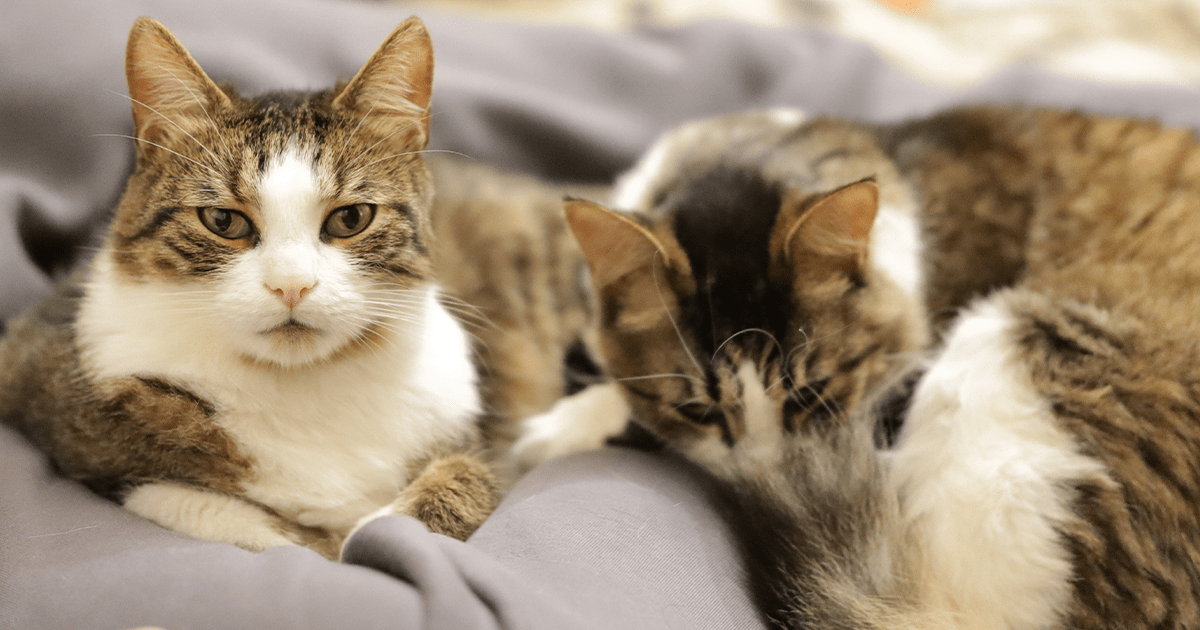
(952, 42)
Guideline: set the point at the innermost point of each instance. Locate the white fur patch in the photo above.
(206, 515)
(983, 471)
(633, 190)
(896, 248)
(577, 423)
(787, 116)
(290, 199)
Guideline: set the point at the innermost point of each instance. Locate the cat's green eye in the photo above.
(226, 223)
(347, 221)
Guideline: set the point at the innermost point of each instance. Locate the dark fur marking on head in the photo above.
(161, 217)
(723, 222)
(809, 399)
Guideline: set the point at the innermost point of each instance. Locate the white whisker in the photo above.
(674, 324)
(136, 139)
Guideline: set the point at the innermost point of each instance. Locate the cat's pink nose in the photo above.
(290, 295)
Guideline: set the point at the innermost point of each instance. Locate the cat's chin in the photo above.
(294, 344)
(292, 332)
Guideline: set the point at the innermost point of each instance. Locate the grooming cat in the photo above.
(259, 353)
(1018, 286)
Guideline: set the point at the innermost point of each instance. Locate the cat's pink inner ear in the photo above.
(397, 80)
(165, 82)
(613, 244)
(838, 225)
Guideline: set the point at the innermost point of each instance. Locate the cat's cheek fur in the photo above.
(984, 474)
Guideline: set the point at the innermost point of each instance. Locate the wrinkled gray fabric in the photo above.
(609, 540)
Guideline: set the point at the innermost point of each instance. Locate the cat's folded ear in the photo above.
(813, 238)
(624, 257)
(396, 84)
(165, 82)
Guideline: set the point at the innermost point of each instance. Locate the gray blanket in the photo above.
(607, 540)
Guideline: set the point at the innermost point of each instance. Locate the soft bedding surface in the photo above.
(607, 540)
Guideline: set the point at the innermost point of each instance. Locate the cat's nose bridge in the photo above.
(290, 273)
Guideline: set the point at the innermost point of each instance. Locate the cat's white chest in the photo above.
(330, 450)
(330, 442)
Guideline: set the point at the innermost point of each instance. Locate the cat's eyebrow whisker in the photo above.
(137, 139)
(744, 331)
(370, 110)
(177, 126)
(650, 376)
(389, 157)
(204, 109)
(353, 132)
(674, 324)
(385, 139)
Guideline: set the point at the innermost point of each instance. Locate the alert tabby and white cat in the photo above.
(259, 353)
(1015, 288)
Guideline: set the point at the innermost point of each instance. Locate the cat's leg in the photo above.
(576, 423)
(985, 474)
(452, 496)
(209, 515)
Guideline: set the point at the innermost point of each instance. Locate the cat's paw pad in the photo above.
(452, 496)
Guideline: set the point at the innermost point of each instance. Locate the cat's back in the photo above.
(1082, 205)
(516, 279)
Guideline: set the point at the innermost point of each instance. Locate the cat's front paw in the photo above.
(452, 496)
(577, 423)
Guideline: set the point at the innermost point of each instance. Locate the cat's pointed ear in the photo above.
(625, 259)
(397, 82)
(165, 82)
(829, 234)
(613, 244)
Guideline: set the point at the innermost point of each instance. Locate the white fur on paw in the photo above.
(577, 423)
(208, 515)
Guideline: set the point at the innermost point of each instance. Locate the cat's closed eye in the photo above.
(226, 223)
(705, 414)
(348, 221)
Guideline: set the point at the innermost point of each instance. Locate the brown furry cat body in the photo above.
(260, 353)
(771, 289)
(503, 250)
